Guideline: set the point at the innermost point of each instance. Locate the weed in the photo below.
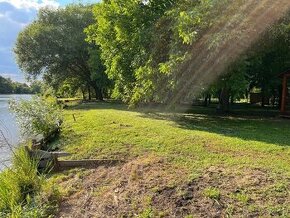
(241, 197)
(212, 193)
(147, 213)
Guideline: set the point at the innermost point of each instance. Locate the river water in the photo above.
(9, 128)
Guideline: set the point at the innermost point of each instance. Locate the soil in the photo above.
(152, 187)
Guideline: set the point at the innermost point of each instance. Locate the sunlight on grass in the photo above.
(226, 157)
(112, 131)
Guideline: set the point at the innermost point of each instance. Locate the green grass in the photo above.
(241, 197)
(212, 193)
(193, 140)
(23, 191)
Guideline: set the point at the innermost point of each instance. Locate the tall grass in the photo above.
(20, 188)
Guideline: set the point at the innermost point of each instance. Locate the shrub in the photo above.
(36, 116)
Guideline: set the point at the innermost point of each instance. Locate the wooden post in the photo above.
(284, 95)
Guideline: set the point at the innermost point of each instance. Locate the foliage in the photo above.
(7, 86)
(146, 44)
(125, 32)
(36, 116)
(154, 51)
(151, 40)
(44, 48)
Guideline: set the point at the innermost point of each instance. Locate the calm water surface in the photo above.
(9, 128)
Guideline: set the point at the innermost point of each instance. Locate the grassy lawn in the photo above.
(182, 164)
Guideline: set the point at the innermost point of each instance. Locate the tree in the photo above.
(125, 30)
(148, 43)
(54, 45)
(6, 86)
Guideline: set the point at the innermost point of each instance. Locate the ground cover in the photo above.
(187, 163)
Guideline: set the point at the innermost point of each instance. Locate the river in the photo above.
(9, 128)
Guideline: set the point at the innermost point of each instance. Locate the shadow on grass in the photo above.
(244, 122)
(253, 128)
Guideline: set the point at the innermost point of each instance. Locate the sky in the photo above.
(14, 16)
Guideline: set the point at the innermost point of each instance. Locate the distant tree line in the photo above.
(148, 51)
(7, 86)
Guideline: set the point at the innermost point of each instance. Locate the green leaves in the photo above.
(54, 45)
(126, 33)
(36, 116)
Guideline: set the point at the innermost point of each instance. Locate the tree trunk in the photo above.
(84, 94)
(224, 101)
(99, 94)
(83, 90)
(89, 91)
(263, 95)
(232, 100)
(280, 91)
(207, 100)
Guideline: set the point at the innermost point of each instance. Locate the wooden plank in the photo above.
(51, 159)
(60, 154)
(85, 163)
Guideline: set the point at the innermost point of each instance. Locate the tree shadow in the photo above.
(115, 105)
(260, 126)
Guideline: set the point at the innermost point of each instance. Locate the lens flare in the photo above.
(235, 30)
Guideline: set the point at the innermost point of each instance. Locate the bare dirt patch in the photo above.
(155, 188)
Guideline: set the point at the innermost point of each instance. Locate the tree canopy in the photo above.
(163, 51)
(54, 46)
(167, 50)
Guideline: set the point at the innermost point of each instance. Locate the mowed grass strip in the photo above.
(194, 140)
(190, 163)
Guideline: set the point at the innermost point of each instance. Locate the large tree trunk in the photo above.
(89, 91)
(280, 91)
(232, 100)
(224, 101)
(207, 100)
(84, 94)
(99, 93)
(263, 95)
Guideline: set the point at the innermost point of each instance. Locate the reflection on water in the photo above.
(9, 128)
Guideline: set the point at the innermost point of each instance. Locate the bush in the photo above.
(36, 116)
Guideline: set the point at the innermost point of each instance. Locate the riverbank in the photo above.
(176, 164)
(9, 128)
(25, 190)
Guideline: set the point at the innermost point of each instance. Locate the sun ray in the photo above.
(245, 26)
